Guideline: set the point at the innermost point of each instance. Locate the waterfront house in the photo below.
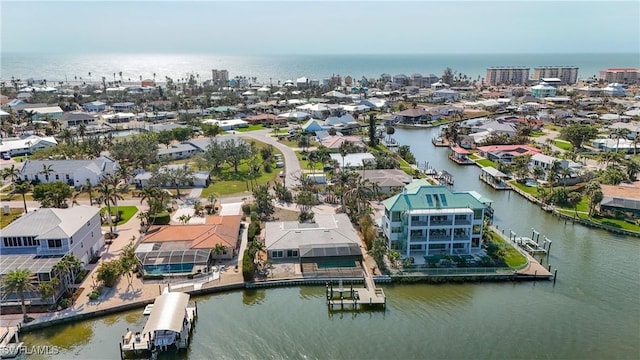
(118, 118)
(75, 118)
(330, 238)
(506, 153)
(171, 249)
(425, 219)
(413, 116)
(547, 162)
(621, 199)
(388, 180)
(72, 172)
(543, 90)
(447, 94)
(26, 146)
(39, 239)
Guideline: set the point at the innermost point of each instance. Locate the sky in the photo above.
(320, 27)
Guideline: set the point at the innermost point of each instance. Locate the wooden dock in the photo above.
(351, 298)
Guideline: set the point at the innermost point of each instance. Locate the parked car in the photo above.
(6, 156)
(281, 174)
(279, 164)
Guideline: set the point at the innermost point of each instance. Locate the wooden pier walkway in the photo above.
(354, 298)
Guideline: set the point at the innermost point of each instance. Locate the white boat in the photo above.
(169, 326)
(147, 309)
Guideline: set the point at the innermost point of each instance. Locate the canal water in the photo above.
(592, 312)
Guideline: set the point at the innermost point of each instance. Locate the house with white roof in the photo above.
(39, 239)
(547, 162)
(357, 160)
(200, 179)
(94, 106)
(447, 94)
(44, 112)
(614, 89)
(227, 124)
(177, 151)
(425, 219)
(72, 172)
(330, 238)
(26, 146)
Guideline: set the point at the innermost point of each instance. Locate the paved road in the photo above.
(292, 166)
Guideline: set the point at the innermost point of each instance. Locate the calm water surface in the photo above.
(591, 312)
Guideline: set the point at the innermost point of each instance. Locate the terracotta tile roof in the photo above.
(218, 230)
(627, 191)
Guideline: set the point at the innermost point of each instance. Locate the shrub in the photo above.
(253, 231)
(152, 277)
(246, 209)
(248, 267)
(161, 218)
(64, 302)
(254, 216)
(94, 294)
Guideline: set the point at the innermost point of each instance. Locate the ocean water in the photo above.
(271, 69)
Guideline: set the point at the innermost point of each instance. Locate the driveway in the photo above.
(291, 164)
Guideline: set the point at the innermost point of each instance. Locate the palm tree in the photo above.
(390, 131)
(86, 188)
(46, 171)
(19, 281)
(108, 195)
(22, 188)
(184, 219)
(10, 172)
(219, 249)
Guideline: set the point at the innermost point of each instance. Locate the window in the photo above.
(396, 230)
(477, 214)
(417, 233)
(395, 216)
(276, 253)
(55, 243)
(57, 177)
(66, 176)
(292, 253)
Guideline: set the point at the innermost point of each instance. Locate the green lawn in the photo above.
(512, 257)
(552, 127)
(536, 133)
(564, 145)
(15, 197)
(531, 190)
(126, 211)
(250, 128)
(615, 223)
(486, 162)
(14, 213)
(304, 164)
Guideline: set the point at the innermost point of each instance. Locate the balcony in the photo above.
(419, 223)
(463, 222)
(439, 237)
(441, 223)
(418, 239)
(52, 251)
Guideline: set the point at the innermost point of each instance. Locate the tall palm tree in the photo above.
(10, 172)
(86, 188)
(22, 188)
(19, 281)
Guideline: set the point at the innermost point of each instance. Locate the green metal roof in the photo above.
(422, 195)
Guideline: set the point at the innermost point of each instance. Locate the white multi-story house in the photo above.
(39, 239)
(72, 172)
(425, 219)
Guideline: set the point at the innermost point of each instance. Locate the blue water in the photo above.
(271, 69)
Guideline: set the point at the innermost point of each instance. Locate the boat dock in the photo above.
(440, 142)
(10, 344)
(354, 298)
(169, 326)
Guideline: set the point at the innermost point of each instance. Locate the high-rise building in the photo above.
(511, 75)
(568, 75)
(220, 77)
(620, 75)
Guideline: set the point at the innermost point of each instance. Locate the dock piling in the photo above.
(555, 276)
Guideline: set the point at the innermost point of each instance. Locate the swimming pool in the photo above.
(531, 182)
(168, 268)
(336, 264)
